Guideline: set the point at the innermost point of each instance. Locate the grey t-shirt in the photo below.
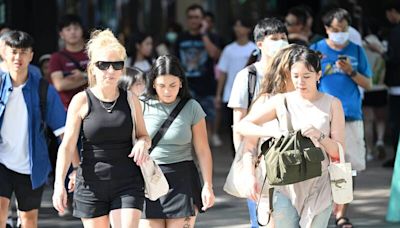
(176, 144)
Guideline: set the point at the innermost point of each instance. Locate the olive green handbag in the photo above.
(291, 158)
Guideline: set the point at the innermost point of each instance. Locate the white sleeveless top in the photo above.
(312, 196)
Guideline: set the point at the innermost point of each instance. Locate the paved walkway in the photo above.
(367, 210)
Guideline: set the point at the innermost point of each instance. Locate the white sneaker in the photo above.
(9, 223)
(216, 140)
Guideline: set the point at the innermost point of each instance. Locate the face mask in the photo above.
(171, 37)
(273, 46)
(339, 38)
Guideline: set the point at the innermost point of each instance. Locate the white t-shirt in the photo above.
(14, 150)
(233, 58)
(355, 36)
(240, 92)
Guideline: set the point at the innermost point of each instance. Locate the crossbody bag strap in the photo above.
(164, 127)
(74, 61)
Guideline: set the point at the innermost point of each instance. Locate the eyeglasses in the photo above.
(104, 65)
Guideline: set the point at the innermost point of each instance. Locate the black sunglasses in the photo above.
(104, 65)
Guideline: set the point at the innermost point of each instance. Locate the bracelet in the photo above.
(321, 137)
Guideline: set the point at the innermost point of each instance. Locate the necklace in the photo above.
(108, 109)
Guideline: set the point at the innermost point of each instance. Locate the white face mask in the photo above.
(273, 46)
(339, 38)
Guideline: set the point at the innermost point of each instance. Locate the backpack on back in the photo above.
(252, 80)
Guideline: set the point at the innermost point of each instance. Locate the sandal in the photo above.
(343, 222)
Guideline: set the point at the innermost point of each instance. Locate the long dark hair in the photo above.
(137, 39)
(167, 65)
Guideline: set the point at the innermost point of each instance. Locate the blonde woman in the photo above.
(109, 185)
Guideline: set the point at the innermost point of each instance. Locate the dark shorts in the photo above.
(97, 198)
(375, 98)
(21, 185)
(184, 196)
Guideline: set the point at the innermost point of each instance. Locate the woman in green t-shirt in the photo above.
(173, 153)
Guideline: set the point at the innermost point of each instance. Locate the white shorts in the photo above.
(355, 144)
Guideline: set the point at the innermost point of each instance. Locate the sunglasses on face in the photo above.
(104, 65)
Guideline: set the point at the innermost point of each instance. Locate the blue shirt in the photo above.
(337, 83)
(55, 119)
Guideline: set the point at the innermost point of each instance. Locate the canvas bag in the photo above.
(155, 183)
(292, 158)
(235, 181)
(341, 179)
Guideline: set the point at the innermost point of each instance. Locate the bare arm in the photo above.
(260, 113)
(141, 131)
(213, 51)
(220, 86)
(359, 78)
(337, 131)
(61, 83)
(68, 149)
(238, 115)
(203, 154)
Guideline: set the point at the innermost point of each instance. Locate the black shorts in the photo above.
(184, 195)
(21, 185)
(97, 198)
(375, 98)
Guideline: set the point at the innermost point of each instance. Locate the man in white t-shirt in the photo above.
(234, 57)
(270, 35)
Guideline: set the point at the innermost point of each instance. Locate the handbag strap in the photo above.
(341, 153)
(164, 127)
(288, 116)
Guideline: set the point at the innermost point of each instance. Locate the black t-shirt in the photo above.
(198, 65)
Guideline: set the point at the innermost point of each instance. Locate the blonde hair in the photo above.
(101, 40)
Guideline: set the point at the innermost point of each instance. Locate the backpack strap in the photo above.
(43, 87)
(252, 79)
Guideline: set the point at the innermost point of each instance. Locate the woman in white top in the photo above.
(141, 49)
(320, 117)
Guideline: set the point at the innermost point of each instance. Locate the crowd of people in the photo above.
(85, 119)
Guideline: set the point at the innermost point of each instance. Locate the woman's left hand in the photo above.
(310, 132)
(207, 196)
(72, 180)
(139, 152)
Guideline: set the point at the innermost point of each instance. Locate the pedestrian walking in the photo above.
(320, 118)
(109, 186)
(173, 153)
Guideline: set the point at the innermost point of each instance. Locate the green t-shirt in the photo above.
(176, 144)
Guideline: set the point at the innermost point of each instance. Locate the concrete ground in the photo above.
(367, 210)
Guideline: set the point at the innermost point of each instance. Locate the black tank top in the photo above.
(107, 140)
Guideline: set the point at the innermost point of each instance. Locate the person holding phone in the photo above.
(344, 68)
(198, 50)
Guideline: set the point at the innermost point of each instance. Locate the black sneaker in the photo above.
(381, 153)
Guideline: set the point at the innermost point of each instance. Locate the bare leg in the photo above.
(125, 218)
(4, 204)
(152, 223)
(99, 222)
(29, 219)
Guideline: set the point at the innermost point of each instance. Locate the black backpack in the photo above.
(51, 139)
(252, 80)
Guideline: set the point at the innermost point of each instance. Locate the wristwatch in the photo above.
(353, 73)
(321, 137)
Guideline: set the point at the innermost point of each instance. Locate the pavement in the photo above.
(372, 189)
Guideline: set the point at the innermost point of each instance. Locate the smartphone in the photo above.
(342, 58)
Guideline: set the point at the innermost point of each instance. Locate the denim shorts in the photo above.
(286, 216)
